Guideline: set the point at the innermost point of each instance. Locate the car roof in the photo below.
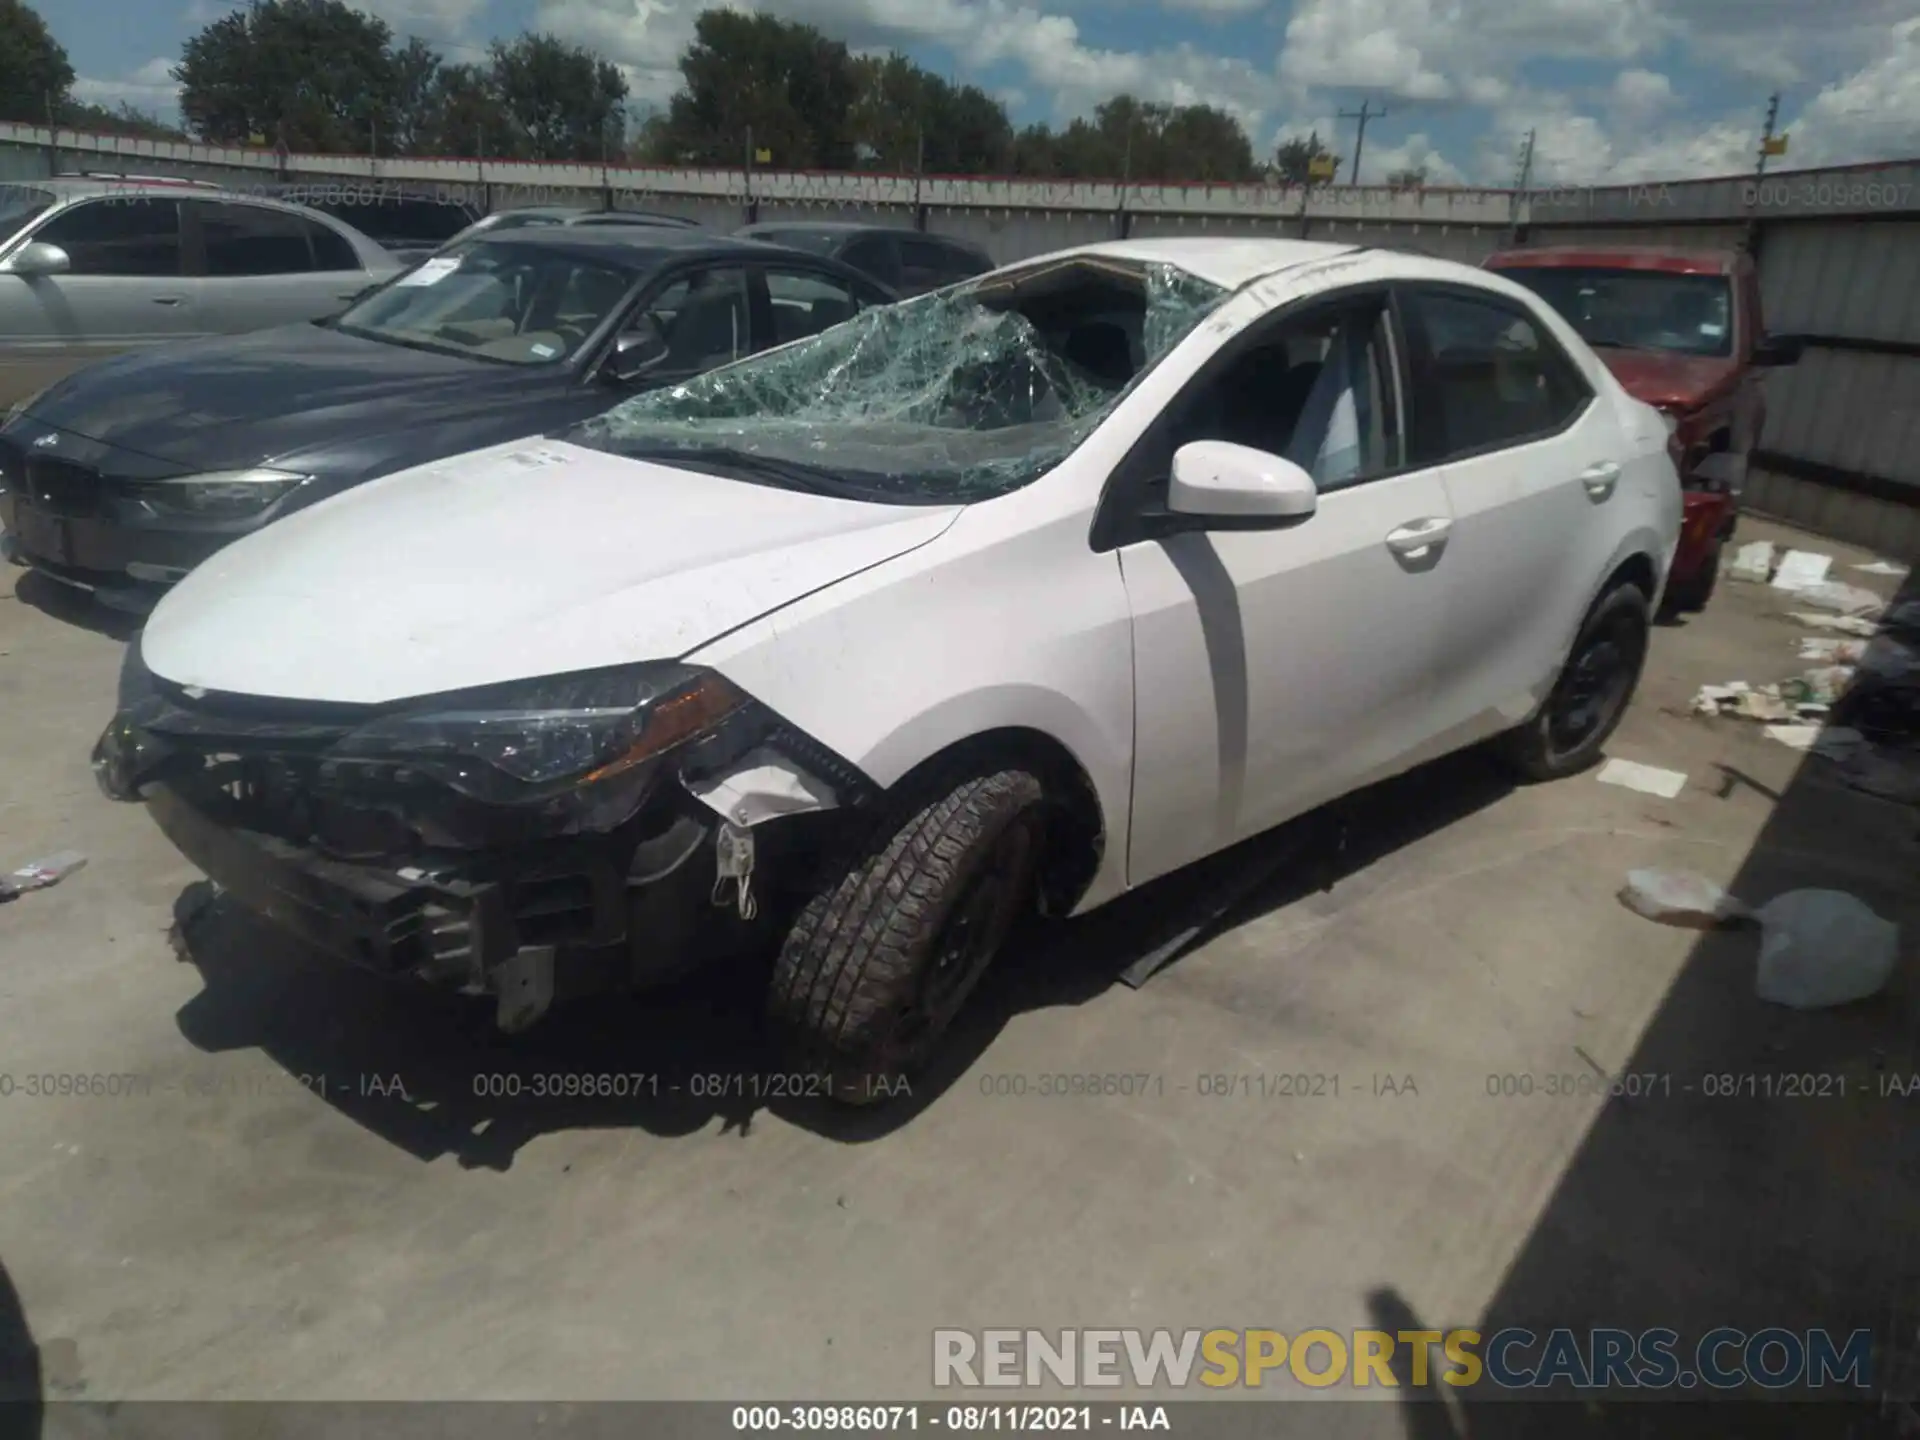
(71, 187)
(1228, 262)
(637, 245)
(580, 212)
(1676, 261)
(849, 228)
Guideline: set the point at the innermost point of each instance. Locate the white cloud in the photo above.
(1873, 114)
(1416, 152)
(1442, 49)
(429, 19)
(148, 88)
(1641, 93)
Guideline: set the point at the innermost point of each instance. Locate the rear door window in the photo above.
(245, 240)
(330, 248)
(1488, 375)
(874, 255)
(123, 235)
(924, 264)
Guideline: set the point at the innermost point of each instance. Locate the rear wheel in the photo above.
(885, 954)
(1591, 695)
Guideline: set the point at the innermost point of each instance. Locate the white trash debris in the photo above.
(1801, 569)
(38, 874)
(1831, 651)
(1753, 561)
(1881, 567)
(1846, 599)
(1679, 896)
(1822, 947)
(1647, 779)
(1845, 624)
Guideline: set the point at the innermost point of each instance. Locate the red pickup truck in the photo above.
(1681, 330)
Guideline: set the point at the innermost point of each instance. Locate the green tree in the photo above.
(901, 107)
(558, 101)
(784, 83)
(35, 74)
(310, 74)
(1293, 161)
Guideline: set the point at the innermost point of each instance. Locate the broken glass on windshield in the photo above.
(958, 395)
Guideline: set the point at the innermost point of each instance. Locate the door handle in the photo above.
(1416, 536)
(166, 299)
(1600, 479)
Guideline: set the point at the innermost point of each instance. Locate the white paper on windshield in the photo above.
(1713, 332)
(432, 272)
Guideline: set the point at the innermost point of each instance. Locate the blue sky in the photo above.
(1615, 90)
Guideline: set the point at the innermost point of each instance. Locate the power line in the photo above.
(1363, 114)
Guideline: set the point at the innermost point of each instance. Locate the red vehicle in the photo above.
(1681, 330)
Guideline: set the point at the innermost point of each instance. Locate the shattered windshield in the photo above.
(955, 396)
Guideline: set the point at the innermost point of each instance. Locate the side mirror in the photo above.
(1778, 350)
(37, 257)
(1232, 487)
(640, 348)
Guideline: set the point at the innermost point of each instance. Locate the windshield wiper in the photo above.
(422, 346)
(737, 464)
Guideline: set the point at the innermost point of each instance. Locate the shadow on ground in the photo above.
(425, 1070)
(73, 606)
(1786, 1202)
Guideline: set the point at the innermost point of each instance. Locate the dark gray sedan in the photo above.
(124, 476)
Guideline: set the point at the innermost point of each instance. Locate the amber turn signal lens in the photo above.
(692, 712)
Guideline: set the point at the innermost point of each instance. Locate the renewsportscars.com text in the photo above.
(1508, 1359)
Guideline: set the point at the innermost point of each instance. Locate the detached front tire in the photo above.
(1591, 694)
(885, 954)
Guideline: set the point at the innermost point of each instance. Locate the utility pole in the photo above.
(919, 174)
(1123, 222)
(1363, 114)
(1521, 181)
(752, 209)
(1767, 147)
(1766, 134)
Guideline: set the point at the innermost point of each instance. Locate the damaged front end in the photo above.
(526, 841)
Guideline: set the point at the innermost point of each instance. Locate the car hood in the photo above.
(1669, 380)
(534, 558)
(235, 401)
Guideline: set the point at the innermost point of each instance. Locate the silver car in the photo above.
(90, 266)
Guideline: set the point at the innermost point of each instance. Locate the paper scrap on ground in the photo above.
(1845, 624)
(1800, 569)
(1835, 742)
(1831, 651)
(1753, 561)
(1647, 779)
(1847, 599)
(1881, 567)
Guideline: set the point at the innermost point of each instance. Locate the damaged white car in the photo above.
(1024, 592)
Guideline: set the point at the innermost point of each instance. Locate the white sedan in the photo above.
(1031, 590)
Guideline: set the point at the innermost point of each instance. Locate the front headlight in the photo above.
(219, 494)
(527, 741)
